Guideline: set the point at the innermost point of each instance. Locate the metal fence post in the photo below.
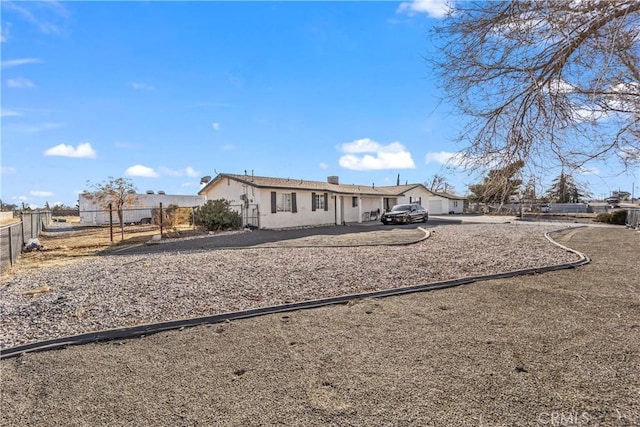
(22, 224)
(111, 222)
(161, 219)
(10, 248)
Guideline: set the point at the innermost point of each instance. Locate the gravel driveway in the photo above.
(106, 292)
(561, 348)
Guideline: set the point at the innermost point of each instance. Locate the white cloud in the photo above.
(4, 32)
(323, 165)
(445, 158)
(20, 198)
(392, 156)
(40, 127)
(191, 172)
(441, 157)
(83, 150)
(49, 17)
(215, 126)
(37, 193)
(227, 147)
(20, 83)
(142, 86)
(8, 170)
(433, 8)
(22, 61)
(588, 171)
(9, 113)
(188, 171)
(140, 170)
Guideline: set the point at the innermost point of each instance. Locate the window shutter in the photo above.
(294, 204)
(326, 201)
(273, 202)
(313, 201)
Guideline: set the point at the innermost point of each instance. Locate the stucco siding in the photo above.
(417, 195)
(230, 190)
(456, 206)
(438, 205)
(305, 215)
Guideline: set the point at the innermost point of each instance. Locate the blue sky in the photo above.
(167, 92)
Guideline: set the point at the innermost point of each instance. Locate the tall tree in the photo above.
(543, 80)
(564, 189)
(438, 184)
(8, 207)
(498, 186)
(117, 192)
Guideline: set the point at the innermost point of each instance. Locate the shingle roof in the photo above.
(449, 196)
(300, 184)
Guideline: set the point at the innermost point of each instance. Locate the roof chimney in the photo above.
(333, 180)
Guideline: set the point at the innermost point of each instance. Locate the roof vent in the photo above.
(333, 180)
(149, 191)
(161, 192)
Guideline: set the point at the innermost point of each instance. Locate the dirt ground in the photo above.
(560, 348)
(67, 242)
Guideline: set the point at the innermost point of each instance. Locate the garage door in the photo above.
(436, 207)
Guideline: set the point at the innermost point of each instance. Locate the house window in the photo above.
(319, 201)
(354, 202)
(455, 203)
(283, 202)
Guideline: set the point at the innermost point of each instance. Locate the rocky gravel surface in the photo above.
(106, 292)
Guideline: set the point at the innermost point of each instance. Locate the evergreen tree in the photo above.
(565, 190)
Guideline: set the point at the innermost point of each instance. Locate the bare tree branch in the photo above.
(543, 81)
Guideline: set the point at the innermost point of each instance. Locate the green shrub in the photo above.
(218, 215)
(618, 217)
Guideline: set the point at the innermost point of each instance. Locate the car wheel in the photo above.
(425, 218)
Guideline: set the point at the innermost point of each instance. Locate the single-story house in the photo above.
(272, 203)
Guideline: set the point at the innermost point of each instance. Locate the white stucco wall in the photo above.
(456, 206)
(438, 205)
(417, 195)
(305, 215)
(232, 190)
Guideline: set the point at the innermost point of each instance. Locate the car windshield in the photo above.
(400, 208)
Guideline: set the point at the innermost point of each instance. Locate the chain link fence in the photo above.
(13, 237)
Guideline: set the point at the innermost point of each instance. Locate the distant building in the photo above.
(93, 213)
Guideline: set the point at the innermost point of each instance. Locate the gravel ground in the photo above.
(107, 292)
(555, 349)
